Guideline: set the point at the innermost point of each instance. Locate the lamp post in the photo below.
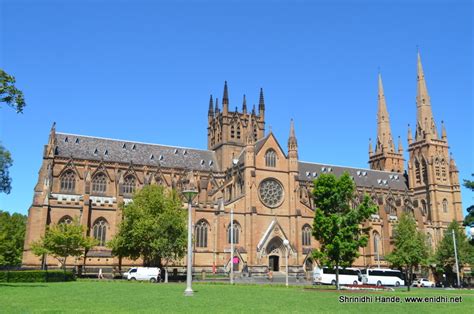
(286, 243)
(456, 257)
(232, 245)
(189, 193)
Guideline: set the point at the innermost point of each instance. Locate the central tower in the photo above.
(226, 129)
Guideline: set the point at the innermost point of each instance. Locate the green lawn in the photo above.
(122, 296)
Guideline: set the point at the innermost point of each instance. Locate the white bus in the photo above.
(383, 277)
(347, 276)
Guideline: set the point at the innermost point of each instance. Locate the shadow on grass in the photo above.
(12, 285)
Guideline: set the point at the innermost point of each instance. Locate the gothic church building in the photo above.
(246, 170)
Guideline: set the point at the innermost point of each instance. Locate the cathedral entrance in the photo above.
(274, 263)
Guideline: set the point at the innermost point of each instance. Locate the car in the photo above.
(151, 274)
(423, 282)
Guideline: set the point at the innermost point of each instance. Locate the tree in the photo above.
(5, 163)
(63, 240)
(469, 219)
(410, 249)
(337, 225)
(9, 94)
(13, 97)
(153, 227)
(12, 238)
(444, 257)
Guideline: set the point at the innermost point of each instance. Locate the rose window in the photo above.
(271, 193)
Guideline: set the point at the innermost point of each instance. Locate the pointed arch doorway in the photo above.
(274, 252)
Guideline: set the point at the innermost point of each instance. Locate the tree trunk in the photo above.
(64, 267)
(410, 276)
(337, 276)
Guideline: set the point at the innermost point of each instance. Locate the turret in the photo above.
(261, 105)
(210, 112)
(225, 100)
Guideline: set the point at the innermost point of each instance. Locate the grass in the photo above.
(122, 296)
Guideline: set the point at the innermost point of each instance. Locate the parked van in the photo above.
(151, 274)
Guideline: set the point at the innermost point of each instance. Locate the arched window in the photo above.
(417, 171)
(306, 235)
(236, 232)
(424, 208)
(65, 220)
(445, 206)
(376, 239)
(238, 131)
(270, 158)
(424, 170)
(429, 241)
(99, 183)
(443, 169)
(202, 228)
(68, 181)
(129, 185)
(99, 231)
(255, 134)
(232, 132)
(437, 169)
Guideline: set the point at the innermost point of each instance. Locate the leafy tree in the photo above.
(410, 249)
(9, 94)
(12, 237)
(444, 257)
(469, 219)
(337, 225)
(153, 227)
(13, 97)
(63, 240)
(5, 163)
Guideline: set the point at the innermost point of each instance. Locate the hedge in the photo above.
(36, 276)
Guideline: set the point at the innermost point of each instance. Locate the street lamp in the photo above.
(189, 193)
(286, 243)
(456, 257)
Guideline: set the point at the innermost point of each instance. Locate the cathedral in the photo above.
(245, 170)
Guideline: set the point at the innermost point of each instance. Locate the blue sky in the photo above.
(143, 71)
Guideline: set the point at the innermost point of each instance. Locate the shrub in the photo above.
(36, 276)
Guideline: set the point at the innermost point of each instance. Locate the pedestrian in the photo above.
(101, 276)
(270, 275)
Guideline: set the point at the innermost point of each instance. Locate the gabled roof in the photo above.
(362, 177)
(96, 148)
(261, 142)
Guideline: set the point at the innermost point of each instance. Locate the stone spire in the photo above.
(452, 164)
(210, 112)
(244, 105)
(253, 109)
(409, 137)
(261, 103)
(444, 137)
(400, 145)
(424, 116)
(370, 147)
(292, 142)
(225, 99)
(249, 138)
(384, 133)
(216, 111)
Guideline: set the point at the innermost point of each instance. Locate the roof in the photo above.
(362, 177)
(114, 150)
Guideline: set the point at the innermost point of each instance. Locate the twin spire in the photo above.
(425, 124)
(384, 132)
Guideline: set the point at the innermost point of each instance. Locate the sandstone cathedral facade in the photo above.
(246, 170)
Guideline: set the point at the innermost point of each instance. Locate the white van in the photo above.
(151, 274)
(347, 276)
